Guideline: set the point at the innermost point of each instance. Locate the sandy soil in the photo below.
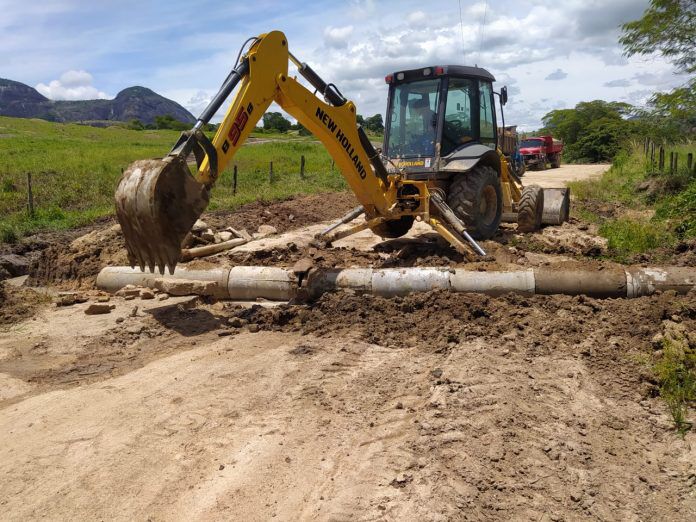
(435, 406)
(566, 172)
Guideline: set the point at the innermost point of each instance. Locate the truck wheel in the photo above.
(394, 228)
(530, 209)
(556, 161)
(477, 199)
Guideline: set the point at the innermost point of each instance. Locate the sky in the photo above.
(550, 54)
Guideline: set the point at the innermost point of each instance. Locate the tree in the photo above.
(592, 131)
(170, 122)
(668, 27)
(136, 125)
(302, 131)
(601, 140)
(371, 123)
(274, 121)
(375, 123)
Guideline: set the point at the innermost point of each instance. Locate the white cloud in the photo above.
(353, 44)
(337, 36)
(72, 85)
(617, 83)
(197, 103)
(416, 17)
(558, 74)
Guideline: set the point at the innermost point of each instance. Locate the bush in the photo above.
(274, 121)
(169, 122)
(8, 233)
(135, 125)
(676, 373)
(682, 209)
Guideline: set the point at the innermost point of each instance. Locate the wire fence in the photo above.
(661, 159)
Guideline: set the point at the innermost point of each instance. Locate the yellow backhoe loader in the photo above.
(439, 163)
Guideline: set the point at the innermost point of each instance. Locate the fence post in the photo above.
(30, 196)
(689, 161)
(676, 161)
(661, 159)
(646, 146)
(270, 173)
(234, 181)
(332, 165)
(652, 155)
(302, 165)
(671, 162)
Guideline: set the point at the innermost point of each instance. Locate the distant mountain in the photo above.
(21, 101)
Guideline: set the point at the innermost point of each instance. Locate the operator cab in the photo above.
(436, 115)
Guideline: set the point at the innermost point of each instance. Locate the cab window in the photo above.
(487, 124)
(413, 119)
(458, 126)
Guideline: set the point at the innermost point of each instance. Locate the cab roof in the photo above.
(441, 70)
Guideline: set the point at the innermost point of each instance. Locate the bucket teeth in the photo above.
(157, 203)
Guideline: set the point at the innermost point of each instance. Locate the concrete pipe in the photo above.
(112, 279)
(267, 282)
(645, 281)
(593, 283)
(493, 283)
(280, 284)
(391, 282)
(322, 281)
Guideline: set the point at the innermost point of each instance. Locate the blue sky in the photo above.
(551, 54)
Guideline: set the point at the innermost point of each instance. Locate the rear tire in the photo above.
(477, 199)
(555, 161)
(394, 228)
(530, 209)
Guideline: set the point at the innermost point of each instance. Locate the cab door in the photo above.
(487, 125)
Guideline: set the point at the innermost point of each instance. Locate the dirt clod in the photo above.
(99, 308)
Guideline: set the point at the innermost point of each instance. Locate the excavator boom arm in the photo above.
(335, 126)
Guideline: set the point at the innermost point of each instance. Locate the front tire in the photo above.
(477, 199)
(530, 209)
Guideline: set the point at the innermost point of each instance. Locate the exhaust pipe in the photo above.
(280, 284)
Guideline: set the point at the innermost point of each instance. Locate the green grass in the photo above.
(629, 236)
(617, 185)
(75, 170)
(661, 216)
(675, 370)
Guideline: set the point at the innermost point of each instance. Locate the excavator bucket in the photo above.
(157, 203)
(556, 206)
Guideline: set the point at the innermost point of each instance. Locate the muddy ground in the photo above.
(435, 406)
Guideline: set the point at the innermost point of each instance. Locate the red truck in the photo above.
(538, 151)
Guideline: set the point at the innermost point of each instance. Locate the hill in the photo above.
(21, 101)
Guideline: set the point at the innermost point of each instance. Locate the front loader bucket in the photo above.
(157, 203)
(556, 206)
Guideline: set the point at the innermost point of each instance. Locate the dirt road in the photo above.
(560, 176)
(435, 406)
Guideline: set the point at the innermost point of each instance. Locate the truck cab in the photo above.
(440, 120)
(539, 151)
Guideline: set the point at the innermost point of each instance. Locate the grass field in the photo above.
(75, 170)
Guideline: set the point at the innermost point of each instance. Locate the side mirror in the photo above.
(503, 96)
